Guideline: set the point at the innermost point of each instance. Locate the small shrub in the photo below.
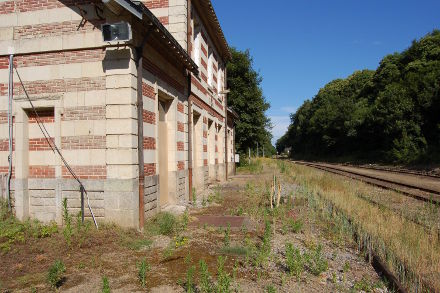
(190, 279)
(223, 279)
(168, 252)
(42, 231)
(180, 241)
(316, 261)
(55, 273)
(143, 268)
(226, 239)
(190, 288)
(82, 229)
(67, 218)
(295, 225)
(294, 261)
(185, 220)
(205, 279)
(105, 285)
(165, 223)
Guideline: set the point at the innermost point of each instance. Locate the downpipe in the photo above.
(10, 128)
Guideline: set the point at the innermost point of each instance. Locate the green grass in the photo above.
(55, 273)
(13, 231)
(138, 244)
(143, 268)
(105, 288)
(294, 261)
(206, 285)
(163, 224)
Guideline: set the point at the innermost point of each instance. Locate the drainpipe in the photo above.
(140, 108)
(233, 147)
(188, 50)
(10, 129)
(190, 161)
(226, 128)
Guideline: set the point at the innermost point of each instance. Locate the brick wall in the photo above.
(180, 126)
(180, 165)
(40, 144)
(56, 86)
(84, 113)
(86, 172)
(33, 5)
(152, 4)
(149, 117)
(149, 143)
(180, 146)
(56, 58)
(150, 169)
(148, 91)
(55, 29)
(41, 172)
(83, 142)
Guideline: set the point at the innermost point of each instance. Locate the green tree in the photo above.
(388, 115)
(246, 98)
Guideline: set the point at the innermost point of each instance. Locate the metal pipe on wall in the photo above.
(188, 48)
(140, 105)
(226, 126)
(10, 127)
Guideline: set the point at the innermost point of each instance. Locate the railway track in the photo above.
(416, 188)
(395, 170)
(417, 191)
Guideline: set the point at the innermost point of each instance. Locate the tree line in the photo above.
(390, 115)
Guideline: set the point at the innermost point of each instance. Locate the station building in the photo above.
(142, 121)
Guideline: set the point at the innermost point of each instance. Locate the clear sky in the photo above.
(299, 46)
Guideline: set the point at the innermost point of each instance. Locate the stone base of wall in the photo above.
(231, 168)
(151, 196)
(111, 200)
(182, 186)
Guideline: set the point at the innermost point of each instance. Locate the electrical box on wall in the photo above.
(116, 32)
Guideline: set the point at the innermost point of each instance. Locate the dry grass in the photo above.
(411, 252)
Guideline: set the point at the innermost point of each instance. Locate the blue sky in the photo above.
(299, 46)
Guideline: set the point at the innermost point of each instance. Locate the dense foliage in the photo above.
(246, 98)
(391, 114)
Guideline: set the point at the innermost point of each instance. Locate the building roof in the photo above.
(140, 11)
(207, 14)
(232, 113)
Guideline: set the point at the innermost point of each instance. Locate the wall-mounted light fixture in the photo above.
(116, 32)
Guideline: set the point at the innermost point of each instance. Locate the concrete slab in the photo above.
(235, 222)
(174, 209)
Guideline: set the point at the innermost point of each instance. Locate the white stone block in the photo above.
(6, 33)
(118, 96)
(128, 141)
(121, 156)
(121, 126)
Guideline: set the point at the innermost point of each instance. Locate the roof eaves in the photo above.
(207, 4)
(139, 10)
(233, 113)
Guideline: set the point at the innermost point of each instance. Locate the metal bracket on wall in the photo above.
(83, 15)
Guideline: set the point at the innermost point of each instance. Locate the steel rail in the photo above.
(417, 192)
